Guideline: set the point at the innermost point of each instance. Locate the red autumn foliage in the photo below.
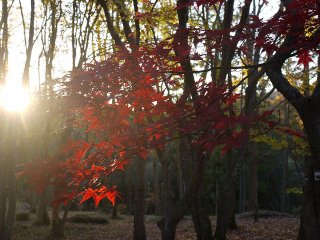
(130, 103)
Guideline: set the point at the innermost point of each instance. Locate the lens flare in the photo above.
(14, 98)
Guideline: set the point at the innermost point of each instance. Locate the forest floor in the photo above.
(269, 227)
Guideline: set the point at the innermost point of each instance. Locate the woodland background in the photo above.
(168, 108)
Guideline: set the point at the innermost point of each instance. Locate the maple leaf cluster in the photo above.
(134, 101)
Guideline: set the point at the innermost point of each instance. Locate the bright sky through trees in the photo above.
(14, 99)
(62, 62)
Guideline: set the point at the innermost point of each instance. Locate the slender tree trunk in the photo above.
(242, 188)
(166, 198)
(253, 181)
(57, 228)
(42, 213)
(3, 159)
(233, 223)
(3, 192)
(10, 200)
(11, 213)
(3, 195)
(26, 75)
(225, 198)
(285, 158)
(73, 33)
(156, 188)
(115, 210)
(130, 190)
(4, 42)
(139, 200)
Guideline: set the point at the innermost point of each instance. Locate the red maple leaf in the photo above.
(304, 58)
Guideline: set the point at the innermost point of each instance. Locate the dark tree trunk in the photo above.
(42, 213)
(129, 189)
(156, 188)
(115, 211)
(200, 217)
(308, 108)
(8, 200)
(310, 218)
(285, 158)
(175, 211)
(253, 181)
(168, 231)
(242, 188)
(225, 197)
(166, 198)
(223, 212)
(3, 72)
(57, 229)
(11, 212)
(233, 223)
(139, 201)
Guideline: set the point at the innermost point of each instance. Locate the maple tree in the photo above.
(145, 94)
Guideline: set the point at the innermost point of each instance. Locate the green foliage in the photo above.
(273, 142)
(295, 190)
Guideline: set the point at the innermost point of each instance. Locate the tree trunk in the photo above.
(223, 212)
(176, 211)
(26, 75)
(57, 228)
(156, 189)
(242, 188)
(225, 198)
(11, 212)
(42, 213)
(253, 193)
(3, 195)
(200, 217)
(130, 190)
(285, 156)
(310, 218)
(139, 201)
(4, 42)
(168, 231)
(233, 223)
(115, 210)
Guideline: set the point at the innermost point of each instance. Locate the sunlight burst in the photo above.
(14, 98)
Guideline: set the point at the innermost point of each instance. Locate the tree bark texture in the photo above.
(309, 112)
(176, 210)
(225, 197)
(42, 213)
(156, 188)
(26, 74)
(200, 217)
(310, 218)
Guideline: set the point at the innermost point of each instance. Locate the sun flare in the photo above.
(14, 98)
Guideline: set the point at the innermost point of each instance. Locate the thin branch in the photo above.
(24, 25)
(262, 99)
